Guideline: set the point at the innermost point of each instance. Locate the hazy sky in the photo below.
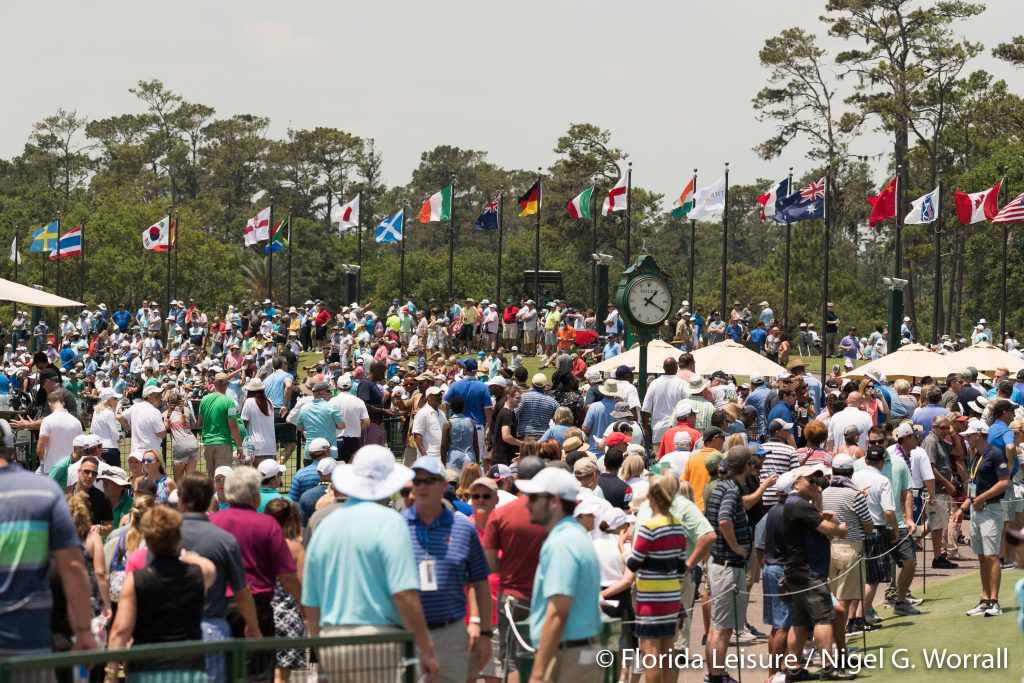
(671, 80)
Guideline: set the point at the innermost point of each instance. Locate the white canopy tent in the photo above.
(30, 296)
(657, 352)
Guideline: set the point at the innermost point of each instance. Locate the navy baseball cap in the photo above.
(469, 364)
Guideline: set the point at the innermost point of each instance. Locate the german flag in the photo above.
(531, 200)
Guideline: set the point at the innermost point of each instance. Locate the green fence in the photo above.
(387, 658)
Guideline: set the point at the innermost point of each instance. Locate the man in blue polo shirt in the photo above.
(450, 559)
(565, 619)
(477, 397)
(320, 418)
(759, 334)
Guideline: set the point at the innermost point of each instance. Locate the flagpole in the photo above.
(359, 247)
(401, 250)
(1002, 275)
(58, 253)
(501, 239)
(177, 238)
(17, 257)
(693, 244)
(270, 257)
(81, 272)
(593, 248)
(725, 240)
(785, 283)
(937, 304)
(291, 246)
(629, 222)
(824, 284)
(536, 243)
(451, 241)
(898, 246)
(170, 222)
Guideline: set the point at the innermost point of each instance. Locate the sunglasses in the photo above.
(407, 492)
(482, 496)
(534, 497)
(424, 482)
(91, 473)
(149, 460)
(876, 442)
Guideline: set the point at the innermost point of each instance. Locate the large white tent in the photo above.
(912, 361)
(22, 294)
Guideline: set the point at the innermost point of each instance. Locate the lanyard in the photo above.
(977, 464)
(424, 539)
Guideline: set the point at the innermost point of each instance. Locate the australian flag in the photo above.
(806, 204)
(488, 219)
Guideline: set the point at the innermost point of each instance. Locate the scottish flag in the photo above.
(390, 229)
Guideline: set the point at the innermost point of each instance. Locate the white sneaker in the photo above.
(872, 617)
(994, 610)
(981, 608)
(745, 637)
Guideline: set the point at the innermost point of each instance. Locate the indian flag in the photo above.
(438, 207)
(684, 203)
(579, 207)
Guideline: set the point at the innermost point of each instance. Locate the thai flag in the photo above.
(70, 244)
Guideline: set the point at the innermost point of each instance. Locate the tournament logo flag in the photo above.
(977, 206)
(709, 202)
(1012, 212)
(390, 229)
(45, 238)
(806, 204)
(346, 215)
(488, 219)
(579, 207)
(685, 201)
(923, 209)
(883, 206)
(438, 208)
(768, 201)
(616, 199)
(530, 202)
(278, 237)
(70, 245)
(15, 256)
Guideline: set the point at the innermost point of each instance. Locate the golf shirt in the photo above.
(568, 566)
(320, 419)
(898, 474)
(34, 522)
(476, 396)
(453, 543)
(215, 410)
(375, 566)
(264, 550)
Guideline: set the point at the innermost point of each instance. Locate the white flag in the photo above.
(249, 233)
(709, 202)
(155, 237)
(346, 215)
(15, 256)
(923, 209)
(262, 223)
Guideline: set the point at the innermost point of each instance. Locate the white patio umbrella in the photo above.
(657, 352)
(987, 358)
(735, 359)
(911, 361)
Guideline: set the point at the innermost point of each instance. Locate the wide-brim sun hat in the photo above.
(373, 474)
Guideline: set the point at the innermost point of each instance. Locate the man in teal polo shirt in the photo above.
(565, 617)
(321, 418)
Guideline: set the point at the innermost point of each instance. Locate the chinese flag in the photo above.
(883, 206)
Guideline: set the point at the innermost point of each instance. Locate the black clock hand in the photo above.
(650, 301)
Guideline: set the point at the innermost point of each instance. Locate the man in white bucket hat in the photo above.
(384, 599)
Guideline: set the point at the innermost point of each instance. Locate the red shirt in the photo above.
(668, 442)
(322, 318)
(518, 542)
(265, 553)
(509, 314)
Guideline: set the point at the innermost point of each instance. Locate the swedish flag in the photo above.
(45, 238)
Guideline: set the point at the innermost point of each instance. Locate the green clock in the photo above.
(644, 297)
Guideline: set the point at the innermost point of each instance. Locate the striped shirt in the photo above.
(780, 458)
(533, 416)
(451, 541)
(726, 503)
(658, 558)
(851, 508)
(34, 522)
(702, 412)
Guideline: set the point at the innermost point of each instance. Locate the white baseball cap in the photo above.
(319, 444)
(325, 466)
(150, 390)
(222, 471)
(976, 427)
(270, 468)
(106, 393)
(553, 481)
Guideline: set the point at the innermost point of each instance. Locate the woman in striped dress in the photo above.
(658, 562)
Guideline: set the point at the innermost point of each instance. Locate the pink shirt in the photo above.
(265, 553)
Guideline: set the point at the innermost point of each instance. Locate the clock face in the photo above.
(649, 300)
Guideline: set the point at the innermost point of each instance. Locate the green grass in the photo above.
(944, 625)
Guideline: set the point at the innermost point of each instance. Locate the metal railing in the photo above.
(385, 658)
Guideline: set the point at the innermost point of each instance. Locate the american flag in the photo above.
(1012, 212)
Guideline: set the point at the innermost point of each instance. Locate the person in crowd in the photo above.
(355, 415)
(287, 615)
(258, 415)
(179, 422)
(144, 421)
(219, 426)
(57, 432)
(104, 425)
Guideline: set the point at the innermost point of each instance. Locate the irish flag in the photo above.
(684, 203)
(579, 207)
(438, 207)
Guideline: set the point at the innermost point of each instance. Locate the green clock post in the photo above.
(644, 300)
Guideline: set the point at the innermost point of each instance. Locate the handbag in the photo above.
(116, 573)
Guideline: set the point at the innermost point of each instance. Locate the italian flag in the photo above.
(684, 203)
(438, 207)
(579, 207)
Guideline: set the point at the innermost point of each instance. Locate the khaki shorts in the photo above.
(348, 663)
(753, 572)
(727, 585)
(575, 665)
(451, 643)
(938, 518)
(217, 455)
(987, 529)
(845, 573)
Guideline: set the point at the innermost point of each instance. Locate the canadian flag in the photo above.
(346, 215)
(977, 206)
